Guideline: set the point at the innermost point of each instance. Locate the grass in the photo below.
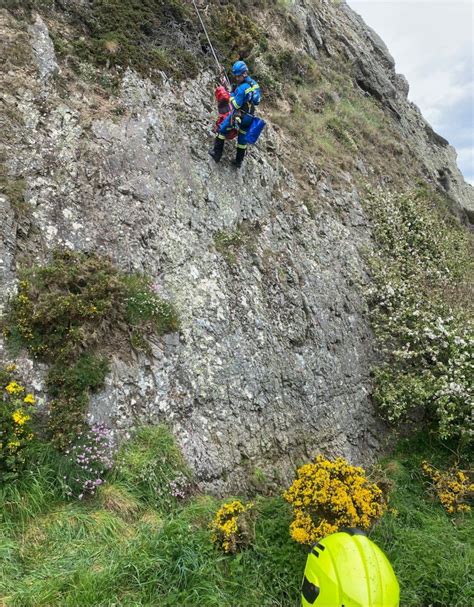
(336, 124)
(125, 547)
(128, 548)
(432, 553)
(81, 555)
(338, 131)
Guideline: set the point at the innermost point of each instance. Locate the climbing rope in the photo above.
(221, 69)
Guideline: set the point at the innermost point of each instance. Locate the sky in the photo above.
(432, 42)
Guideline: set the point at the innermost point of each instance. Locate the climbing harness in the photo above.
(221, 68)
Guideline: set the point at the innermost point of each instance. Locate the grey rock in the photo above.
(43, 49)
(264, 370)
(401, 83)
(7, 252)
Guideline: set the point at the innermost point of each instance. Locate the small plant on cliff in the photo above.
(328, 495)
(232, 527)
(71, 313)
(16, 432)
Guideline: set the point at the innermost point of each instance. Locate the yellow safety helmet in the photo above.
(347, 569)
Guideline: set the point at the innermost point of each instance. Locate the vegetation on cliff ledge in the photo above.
(71, 313)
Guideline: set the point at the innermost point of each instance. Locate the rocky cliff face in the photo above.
(266, 266)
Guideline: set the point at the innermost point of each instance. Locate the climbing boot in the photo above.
(218, 148)
(239, 158)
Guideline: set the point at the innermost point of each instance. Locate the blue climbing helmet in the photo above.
(239, 68)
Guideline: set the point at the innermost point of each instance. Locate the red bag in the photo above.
(221, 94)
(224, 108)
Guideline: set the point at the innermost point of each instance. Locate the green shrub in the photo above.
(235, 34)
(420, 308)
(119, 33)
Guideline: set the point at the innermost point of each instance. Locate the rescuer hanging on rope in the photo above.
(244, 96)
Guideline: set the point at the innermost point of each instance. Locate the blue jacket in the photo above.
(245, 95)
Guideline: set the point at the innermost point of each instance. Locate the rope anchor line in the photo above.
(221, 69)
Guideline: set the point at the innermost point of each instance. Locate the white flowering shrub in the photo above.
(421, 308)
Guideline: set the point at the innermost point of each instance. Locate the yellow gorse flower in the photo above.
(14, 388)
(19, 417)
(327, 495)
(29, 399)
(228, 525)
(453, 487)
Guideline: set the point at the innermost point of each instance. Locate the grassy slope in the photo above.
(128, 547)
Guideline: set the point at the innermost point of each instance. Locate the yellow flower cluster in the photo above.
(14, 418)
(327, 495)
(453, 487)
(230, 527)
(13, 445)
(19, 417)
(14, 388)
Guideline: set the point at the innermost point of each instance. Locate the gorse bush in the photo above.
(328, 495)
(71, 313)
(15, 424)
(233, 526)
(453, 487)
(420, 309)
